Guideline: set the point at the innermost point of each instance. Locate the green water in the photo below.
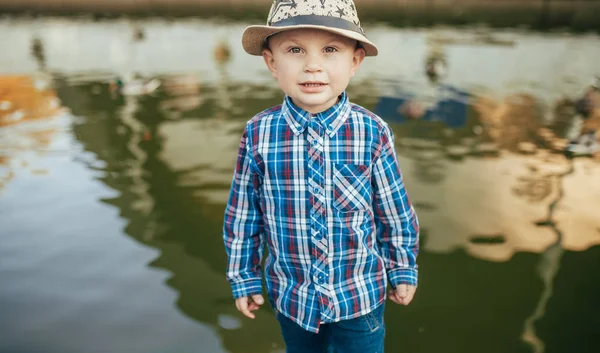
(110, 224)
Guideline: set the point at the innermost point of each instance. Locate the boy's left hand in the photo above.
(403, 294)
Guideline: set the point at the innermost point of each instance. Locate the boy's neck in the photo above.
(321, 110)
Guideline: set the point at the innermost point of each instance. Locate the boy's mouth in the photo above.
(312, 84)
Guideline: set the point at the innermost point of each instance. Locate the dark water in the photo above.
(111, 205)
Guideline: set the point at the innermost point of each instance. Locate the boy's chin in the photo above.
(315, 105)
(315, 99)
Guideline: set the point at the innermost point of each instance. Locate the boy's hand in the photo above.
(403, 294)
(246, 307)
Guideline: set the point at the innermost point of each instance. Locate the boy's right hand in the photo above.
(246, 305)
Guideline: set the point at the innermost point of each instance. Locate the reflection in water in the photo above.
(528, 150)
(222, 58)
(183, 94)
(528, 162)
(547, 268)
(134, 85)
(436, 63)
(29, 111)
(505, 149)
(138, 32)
(144, 204)
(37, 51)
(26, 98)
(588, 110)
(172, 191)
(501, 206)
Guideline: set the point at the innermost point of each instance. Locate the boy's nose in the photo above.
(313, 68)
(312, 64)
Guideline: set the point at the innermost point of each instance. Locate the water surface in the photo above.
(111, 206)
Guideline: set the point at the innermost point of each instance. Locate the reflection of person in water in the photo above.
(447, 104)
(588, 109)
(222, 57)
(436, 67)
(436, 63)
(432, 102)
(37, 51)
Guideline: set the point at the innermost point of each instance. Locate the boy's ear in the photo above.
(359, 56)
(270, 61)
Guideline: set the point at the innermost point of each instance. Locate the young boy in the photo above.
(317, 179)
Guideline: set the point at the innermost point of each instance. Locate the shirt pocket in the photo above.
(351, 187)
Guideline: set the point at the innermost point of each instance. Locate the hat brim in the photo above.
(253, 39)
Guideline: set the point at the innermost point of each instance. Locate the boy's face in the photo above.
(312, 66)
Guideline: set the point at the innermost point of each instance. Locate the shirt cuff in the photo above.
(246, 288)
(403, 276)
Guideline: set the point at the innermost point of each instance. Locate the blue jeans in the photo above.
(363, 334)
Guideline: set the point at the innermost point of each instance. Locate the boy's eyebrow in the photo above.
(287, 41)
(336, 41)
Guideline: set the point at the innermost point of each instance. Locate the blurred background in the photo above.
(119, 126)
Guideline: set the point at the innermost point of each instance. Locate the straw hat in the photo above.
(336, 16)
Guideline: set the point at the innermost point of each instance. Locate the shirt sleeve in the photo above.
(395, 218)
(243, 227)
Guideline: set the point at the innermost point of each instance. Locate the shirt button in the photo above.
(316, 190)
(321, 279)
(315, 142)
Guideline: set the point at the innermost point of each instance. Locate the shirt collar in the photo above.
(332, 118)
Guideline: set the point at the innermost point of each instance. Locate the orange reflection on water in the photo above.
(26, 98)
(26, 104)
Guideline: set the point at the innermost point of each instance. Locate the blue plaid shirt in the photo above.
(325, 193)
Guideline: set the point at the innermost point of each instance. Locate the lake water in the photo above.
(111, 206)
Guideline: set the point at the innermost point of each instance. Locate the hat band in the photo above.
(316, 20)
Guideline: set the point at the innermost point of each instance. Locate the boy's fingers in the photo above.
(403, 294)
(242, 306)
(411, 291)
(407, 296)
(401, 290)
(406, 300)
(393, 297)
(258, 299)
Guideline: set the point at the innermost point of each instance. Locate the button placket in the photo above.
(318, 229)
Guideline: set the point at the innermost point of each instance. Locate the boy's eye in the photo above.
(330, 49)
(295, 50)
